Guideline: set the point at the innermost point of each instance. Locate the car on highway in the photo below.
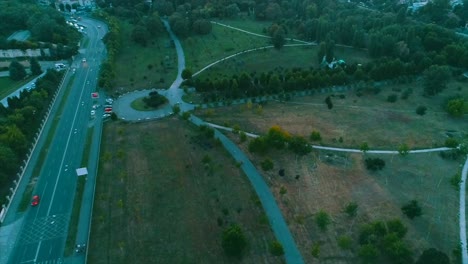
(108, 110)
(83, 60)
(93, 112)
(35, 200)
(106, 115)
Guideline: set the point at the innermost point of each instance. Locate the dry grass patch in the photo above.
(329, 181)
(354, 119)
(156, 202)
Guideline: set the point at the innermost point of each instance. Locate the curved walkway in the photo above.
(279, 226)
(174, 94)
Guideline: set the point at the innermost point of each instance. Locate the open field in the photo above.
(156, 202)
(140, 67)
(328, 181)
(356, 119)
(268, 59)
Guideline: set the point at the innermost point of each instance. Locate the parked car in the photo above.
(35, 200)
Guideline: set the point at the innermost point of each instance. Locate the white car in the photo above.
(93, 112)
(83, 60)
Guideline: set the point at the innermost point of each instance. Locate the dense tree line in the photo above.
(19, 123)
(113, 42)
(45, 24)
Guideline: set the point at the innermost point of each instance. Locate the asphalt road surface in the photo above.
(43, 229)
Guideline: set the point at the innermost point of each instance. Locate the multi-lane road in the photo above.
(43, 229)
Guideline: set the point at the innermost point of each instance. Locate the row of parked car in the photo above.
(107, 108)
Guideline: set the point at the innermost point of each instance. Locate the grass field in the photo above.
(368, 118)
(247, 24)
(156, 202)
(7, 85)
(288, 57)
(221, 42)
(328, 181)
(140, 67)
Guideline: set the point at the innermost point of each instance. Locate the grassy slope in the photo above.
(8, 86)
(157, 203)
(140, 67)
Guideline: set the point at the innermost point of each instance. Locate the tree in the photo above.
(436, 79)
(455, 107)
(233, 241)
(278, 39)
(232, 10)
(299, 145)
(202, 27)
(17, 71)
(412, 209)
(323, 220)
(276, 249)
(140, 35)
(35, 66)
(176, 109)
(186, 74)
(433, 256)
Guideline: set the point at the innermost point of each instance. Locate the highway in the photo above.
(43, 229)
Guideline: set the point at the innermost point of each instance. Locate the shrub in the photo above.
(351, 209)
(267, 164)
(451, 143)
(421, 110)
(392, 98)
(412, 209)
(345, 242)
(374, 164)
(233, 241)
(315, 136)
(323, 220)
(276, 249)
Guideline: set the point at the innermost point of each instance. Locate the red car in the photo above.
(108, 110)
(35, 200)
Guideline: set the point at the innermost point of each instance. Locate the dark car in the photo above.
(35, 200)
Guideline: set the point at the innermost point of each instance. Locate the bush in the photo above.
(315, 136)
(233, 241)
(455, 107)
(421, 110)
(451, 143)
(392, 98)
(374, 164)
(276, 249)
(345, 242)
(267, 164)
(351, 209)
(323, 220)
(412, 209)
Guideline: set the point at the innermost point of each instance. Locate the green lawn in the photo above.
(203, 50)
(247, 24)
(137, 67)
(7, 85)
(288, 57)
